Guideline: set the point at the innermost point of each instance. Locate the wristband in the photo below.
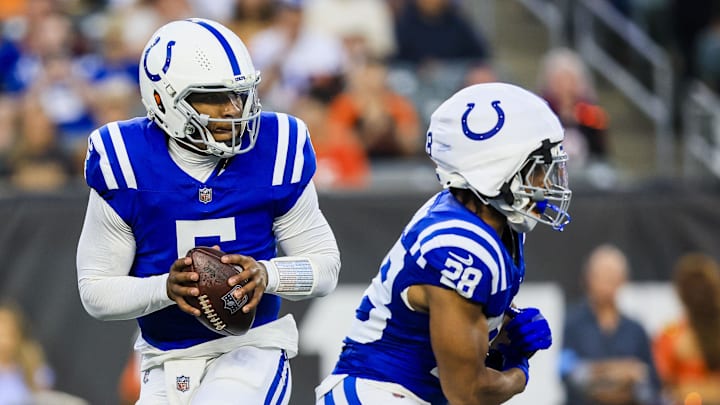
(291, 276)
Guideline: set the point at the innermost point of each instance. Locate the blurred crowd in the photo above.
(69, 66)
(363, 74)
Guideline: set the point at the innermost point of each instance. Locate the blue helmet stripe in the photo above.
(226, 46)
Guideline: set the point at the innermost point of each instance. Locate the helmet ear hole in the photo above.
(450, 179)
(158, 101)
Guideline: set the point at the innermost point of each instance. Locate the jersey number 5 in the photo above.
(187, 231)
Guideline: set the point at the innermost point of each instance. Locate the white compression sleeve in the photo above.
(106, 251)
(312, 264)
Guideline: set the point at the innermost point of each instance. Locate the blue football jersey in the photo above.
(169, 212)
(444, 245)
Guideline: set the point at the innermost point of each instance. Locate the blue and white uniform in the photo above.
(170, 212)
(444, 245)
(151, 201)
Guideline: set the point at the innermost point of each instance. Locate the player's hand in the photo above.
(255, 274)
(528, 331)
(181, 282)
(504, 357)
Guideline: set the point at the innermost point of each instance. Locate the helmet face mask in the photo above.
(504, 144)
(191, 67)
(539, 192)
(214, 111)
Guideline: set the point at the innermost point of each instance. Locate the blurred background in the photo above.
(635, 82)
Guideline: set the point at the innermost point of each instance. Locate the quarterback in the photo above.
(205, 167)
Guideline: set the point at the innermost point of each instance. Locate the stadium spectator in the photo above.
(139, 18)
(564, 81)
(37, 163)
(296, 59)
(251, 17)
(687, 352)
(384, 122)
(365, 26)
(342, 162)
(112, 56)
(606, 356)
(432, 32)
(205, 166)
(23, 369)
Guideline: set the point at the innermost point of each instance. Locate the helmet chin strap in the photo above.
(509, 205)
(517, 221)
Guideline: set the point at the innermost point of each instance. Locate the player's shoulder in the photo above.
(112, 148)
(284, 140)
(443, 222)
(456, 237)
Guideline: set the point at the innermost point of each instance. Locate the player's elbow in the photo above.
(92, 301)
(331, 277)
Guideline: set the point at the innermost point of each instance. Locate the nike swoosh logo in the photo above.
(466, 261)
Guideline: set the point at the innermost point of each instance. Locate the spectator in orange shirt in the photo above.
(342, 162)
(687, 352)
(385, 122)
(566, 84)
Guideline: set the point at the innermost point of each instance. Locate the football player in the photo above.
(205, 167)
(423, 330)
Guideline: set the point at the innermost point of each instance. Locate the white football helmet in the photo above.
(504, 144)
(200, 58)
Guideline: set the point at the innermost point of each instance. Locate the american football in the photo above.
(221, 312)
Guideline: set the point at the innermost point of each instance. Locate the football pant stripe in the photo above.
(299, 151)
(282, 149)
(276, 381)
(338, 396)
(122, 155)
(286, 384)
(105, 168)
(351, 391)
(329, 400)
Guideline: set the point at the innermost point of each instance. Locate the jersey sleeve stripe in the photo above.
(107, 172)
(122, 155)
(445, 240)
(446, 226)
(282, 149)
(299, 151)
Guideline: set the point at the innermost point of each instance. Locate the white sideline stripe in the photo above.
(282, 148)
(299, 155)
(105, 168)
(122, 155)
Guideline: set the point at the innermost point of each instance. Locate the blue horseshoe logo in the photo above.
(166, 66)
(483, 135)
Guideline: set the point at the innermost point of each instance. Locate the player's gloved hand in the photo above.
(505, 357)
(528, 331)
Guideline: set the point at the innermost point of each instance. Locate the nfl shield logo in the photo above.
(205, 195)
(231, 304)
(182, 383)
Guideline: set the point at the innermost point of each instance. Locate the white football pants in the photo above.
(246, 375)
(346, 390)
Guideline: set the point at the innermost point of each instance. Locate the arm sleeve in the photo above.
(105, 254)
(305, 236)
